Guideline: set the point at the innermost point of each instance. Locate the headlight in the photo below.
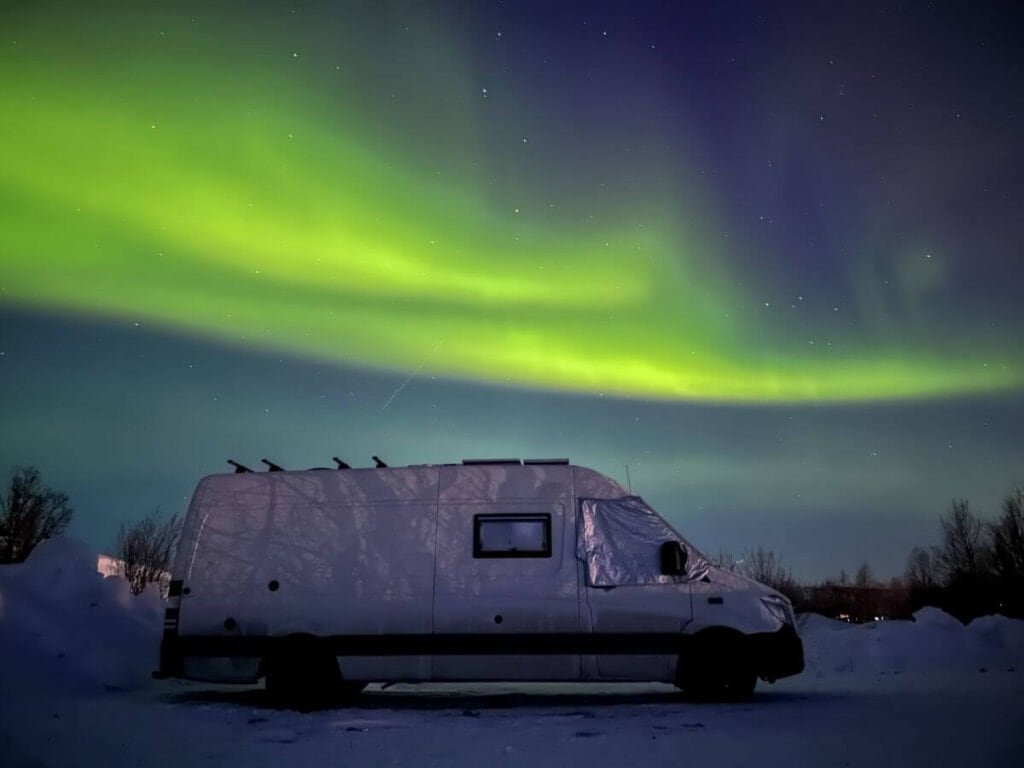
(780, 608)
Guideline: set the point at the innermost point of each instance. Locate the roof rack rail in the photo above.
(239, 468)
(271, 466)
(545, 461)
(341, 464)
(379, 462)
(470, 462)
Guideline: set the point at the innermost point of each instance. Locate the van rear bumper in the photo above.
(171, 661)
(777, 654)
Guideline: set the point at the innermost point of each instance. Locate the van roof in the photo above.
(272, 467)
(588, 482)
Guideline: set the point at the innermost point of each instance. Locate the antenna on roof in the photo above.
(272, 467)
(378, 461)
(341, 464)
(239, 468)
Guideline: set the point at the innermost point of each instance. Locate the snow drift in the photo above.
(933, 642)
(63, 625)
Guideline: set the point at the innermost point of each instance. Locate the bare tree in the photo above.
(923, 568)
(145, 549)
(864, 577)
(842, 580)
(963, 552)
(969, 586)
(726, 560)
(1008, 537)
(29, 513)
(764, 566)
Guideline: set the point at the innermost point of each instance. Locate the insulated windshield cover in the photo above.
(619, 540)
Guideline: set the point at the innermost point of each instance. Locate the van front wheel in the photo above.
(717, 667)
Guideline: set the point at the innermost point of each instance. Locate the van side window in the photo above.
(512, 535)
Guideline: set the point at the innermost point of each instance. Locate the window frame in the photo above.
(512, 517)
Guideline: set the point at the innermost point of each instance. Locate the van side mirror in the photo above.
(673, 559)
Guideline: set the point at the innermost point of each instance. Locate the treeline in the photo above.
(31, 511)
(979, 566)
(977, 569)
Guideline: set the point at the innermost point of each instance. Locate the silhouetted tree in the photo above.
(923, 577)
(726, 560)
(864, 577)
(764, 566)
(963, 552)
(1007, 536)
(965, 563)
(923, 568)
(145, 549)
(29, 513)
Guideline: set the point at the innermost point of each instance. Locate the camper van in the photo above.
(327, 579)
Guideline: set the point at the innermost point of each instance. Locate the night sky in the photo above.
(766, 255)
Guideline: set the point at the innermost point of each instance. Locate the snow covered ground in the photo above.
(76, 651)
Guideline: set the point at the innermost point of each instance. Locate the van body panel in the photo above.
(588, 484)
(514, 595)
(276, 554)
(641, 609)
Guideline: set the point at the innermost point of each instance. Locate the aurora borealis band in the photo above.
(232, 183)
(623, 205)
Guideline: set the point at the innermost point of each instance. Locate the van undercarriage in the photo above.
(770, 655)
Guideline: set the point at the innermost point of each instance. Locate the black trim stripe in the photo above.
(447, 645)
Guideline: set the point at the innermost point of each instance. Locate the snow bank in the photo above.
(933, 641)
(64, 625)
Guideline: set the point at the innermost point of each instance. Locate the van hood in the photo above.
(718, 575)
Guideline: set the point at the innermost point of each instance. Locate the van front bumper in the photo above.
(777, 654)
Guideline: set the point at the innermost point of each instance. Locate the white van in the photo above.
(325, 580)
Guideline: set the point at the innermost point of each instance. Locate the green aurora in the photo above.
(256, 193)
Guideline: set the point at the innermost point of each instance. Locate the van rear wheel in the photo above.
(302, 673)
